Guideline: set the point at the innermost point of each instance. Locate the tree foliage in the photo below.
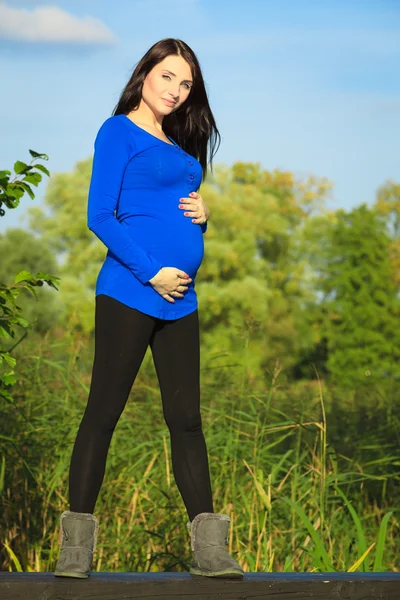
(360, 303)
(283, 282)
(247, 278)
(11, 318)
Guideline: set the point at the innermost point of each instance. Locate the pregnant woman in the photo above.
(149, 161)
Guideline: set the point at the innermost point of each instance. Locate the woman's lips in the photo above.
(170, 103)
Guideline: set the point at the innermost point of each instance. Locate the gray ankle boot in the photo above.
(79, 538)
(209, 534)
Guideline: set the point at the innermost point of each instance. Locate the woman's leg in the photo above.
(176, 353)
(122, 335)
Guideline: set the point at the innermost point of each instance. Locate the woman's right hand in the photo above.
(170, 281)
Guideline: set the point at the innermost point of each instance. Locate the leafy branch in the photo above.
(11, 191)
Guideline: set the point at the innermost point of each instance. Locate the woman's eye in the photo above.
(186, 84)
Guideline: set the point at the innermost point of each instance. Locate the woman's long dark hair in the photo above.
(192, 125)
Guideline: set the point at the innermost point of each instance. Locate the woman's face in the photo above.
(171, 79)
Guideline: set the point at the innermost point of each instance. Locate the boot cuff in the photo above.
(192, 526)
(78, 515)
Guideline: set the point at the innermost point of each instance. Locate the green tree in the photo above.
(253, 277)
(20, 250)
(11, 192)
(387, 204)
(64, 230)
(247, 284)
(360, 304)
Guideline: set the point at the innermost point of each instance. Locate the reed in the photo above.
(296, 503)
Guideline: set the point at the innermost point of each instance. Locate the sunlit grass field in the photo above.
(302, 495)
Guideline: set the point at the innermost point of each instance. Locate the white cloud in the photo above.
(51, 24)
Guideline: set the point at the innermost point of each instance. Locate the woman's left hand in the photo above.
(195, 208)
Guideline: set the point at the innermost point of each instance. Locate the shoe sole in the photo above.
(71, 574)
(227, 573)
(230, 574)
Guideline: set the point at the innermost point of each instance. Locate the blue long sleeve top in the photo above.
(136, 184)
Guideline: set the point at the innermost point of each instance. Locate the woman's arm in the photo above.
(113, 149)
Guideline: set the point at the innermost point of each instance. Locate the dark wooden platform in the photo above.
(181, 586)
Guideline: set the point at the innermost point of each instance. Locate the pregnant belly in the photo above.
(175, 243)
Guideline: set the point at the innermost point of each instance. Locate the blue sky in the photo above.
(306, 86)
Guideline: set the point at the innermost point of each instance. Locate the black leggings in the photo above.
(122, 335)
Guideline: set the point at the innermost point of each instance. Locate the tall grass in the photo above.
(296, 502)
